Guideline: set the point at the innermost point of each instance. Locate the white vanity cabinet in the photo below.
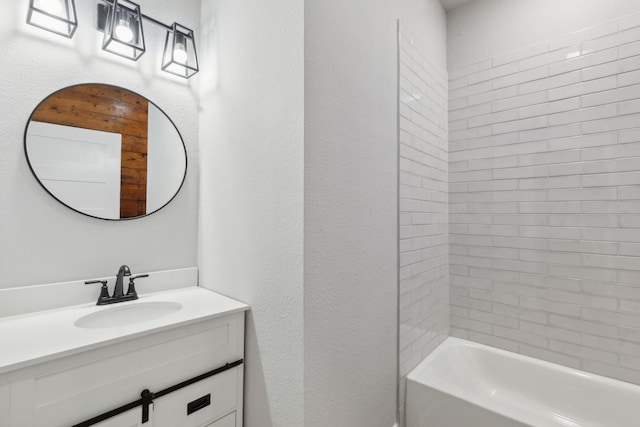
(5, 400)
(131, 418)
(226, 421)
(72, 389)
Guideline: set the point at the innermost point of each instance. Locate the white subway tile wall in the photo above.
(544, 200)
(424, 292)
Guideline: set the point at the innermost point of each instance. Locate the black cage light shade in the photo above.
(57, 16)
(123, 33)
(180, 57)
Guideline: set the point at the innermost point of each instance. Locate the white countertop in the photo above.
(39, 337)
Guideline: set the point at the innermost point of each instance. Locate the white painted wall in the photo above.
(485, 28)
(41, 241)
(251, 241)
(351, 163)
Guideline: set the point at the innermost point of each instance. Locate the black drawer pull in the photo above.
(198, 404)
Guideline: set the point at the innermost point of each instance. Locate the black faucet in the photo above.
(118, 291)
(122, 272)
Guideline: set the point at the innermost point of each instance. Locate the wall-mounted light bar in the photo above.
(121, 22)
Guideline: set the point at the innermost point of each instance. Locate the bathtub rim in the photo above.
(418, 372)
(420, 377)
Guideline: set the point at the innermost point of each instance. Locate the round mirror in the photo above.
(105, 151)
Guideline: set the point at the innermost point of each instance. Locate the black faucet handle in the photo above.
(132, 285)
(104, 291)
(93, 282)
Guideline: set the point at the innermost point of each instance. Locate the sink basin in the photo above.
(128, 315)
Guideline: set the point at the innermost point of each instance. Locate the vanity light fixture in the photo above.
(179, 55)
(121, 22)
(57, 16)
(123, 33)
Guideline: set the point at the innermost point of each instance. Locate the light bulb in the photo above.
(180, 54)
(123, 31)
(53, 7)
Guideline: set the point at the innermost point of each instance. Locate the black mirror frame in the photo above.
(26, 154)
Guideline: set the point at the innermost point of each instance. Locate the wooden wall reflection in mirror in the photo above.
(105, 151)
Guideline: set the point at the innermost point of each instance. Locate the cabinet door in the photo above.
(200, 403)
(131, 418)
(226, 421)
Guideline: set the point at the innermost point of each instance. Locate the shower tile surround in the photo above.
(544, 200)
(424, 293)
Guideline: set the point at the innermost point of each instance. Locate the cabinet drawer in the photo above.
(228, 421)
(199, 403)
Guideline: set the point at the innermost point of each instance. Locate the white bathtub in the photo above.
(464, 384)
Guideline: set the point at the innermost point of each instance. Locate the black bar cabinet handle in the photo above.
(198, 404)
